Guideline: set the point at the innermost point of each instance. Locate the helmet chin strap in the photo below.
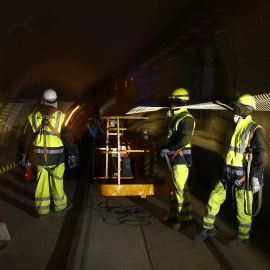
(53, 104)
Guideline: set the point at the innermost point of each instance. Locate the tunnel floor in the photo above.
(112, 233)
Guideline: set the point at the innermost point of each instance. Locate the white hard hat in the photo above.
(49, 96)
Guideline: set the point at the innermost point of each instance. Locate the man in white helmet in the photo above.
(49, 97)
(180, 130)
(47, 137)
(248, 140)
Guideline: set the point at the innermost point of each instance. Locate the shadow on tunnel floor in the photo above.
(67, 235)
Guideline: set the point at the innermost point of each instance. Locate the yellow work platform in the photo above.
(142, 190)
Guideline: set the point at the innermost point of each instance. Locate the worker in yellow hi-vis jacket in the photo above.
(48, 138)
(247, 149)
(179, 159)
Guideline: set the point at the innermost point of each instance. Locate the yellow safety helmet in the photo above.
(247, 101)
(180, 93)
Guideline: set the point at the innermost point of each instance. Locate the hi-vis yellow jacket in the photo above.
(235, 162)
(54, 145)
(179, 135)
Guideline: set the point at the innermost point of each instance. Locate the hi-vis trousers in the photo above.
(47, 183)
(180, 202)
(217, 197)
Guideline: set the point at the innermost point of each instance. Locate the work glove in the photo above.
(71, 162)
(24, 164)
(255, 185)
(164, 152)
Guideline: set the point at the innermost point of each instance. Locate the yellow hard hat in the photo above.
(246, 100)
(180, 93)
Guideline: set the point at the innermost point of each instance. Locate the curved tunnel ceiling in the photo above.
(71, 45)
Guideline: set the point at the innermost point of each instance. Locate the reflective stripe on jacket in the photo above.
(235, 159)
(55, 148)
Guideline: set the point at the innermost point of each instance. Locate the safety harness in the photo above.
(248, 158)
(179, 151)
(46, 123)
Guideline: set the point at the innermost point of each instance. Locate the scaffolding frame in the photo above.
(121, 189)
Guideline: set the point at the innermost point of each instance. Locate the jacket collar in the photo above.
(175, 112)
(242, 121)
(47, 109)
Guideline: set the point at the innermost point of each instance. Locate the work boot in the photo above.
(204, 234)
(238, 242)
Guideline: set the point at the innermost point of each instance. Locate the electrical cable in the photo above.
(131, 215)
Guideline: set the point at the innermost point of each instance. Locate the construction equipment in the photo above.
(114, 129)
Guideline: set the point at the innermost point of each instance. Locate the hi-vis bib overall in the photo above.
(234, 164)
(180, 205)
(55, 162)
